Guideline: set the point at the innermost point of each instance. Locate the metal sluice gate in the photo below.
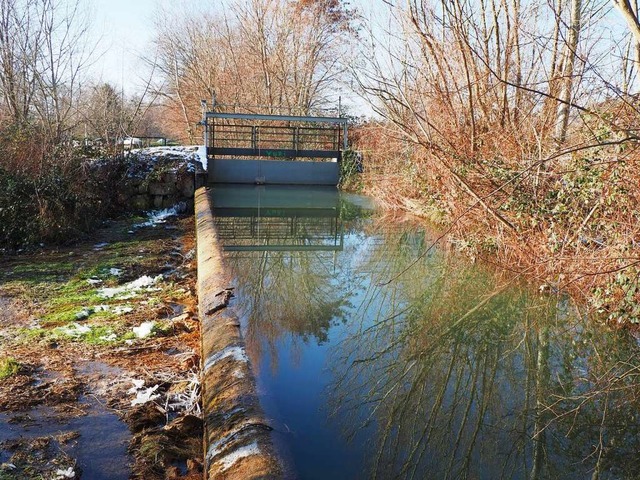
(276, 149)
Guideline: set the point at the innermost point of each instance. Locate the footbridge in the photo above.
(251, 148)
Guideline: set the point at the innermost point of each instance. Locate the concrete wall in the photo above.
(274, 172)
(238, 443)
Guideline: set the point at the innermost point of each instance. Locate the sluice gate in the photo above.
(274, 149)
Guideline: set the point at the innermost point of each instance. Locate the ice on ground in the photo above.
(242, 452)
(137, 385)
(237, 353)
(100, 246)
(75, 330)
(68, 473)
(131, 289)
(145, 396)
(144, 329)
(121, 310)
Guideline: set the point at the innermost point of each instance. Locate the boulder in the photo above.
(158, 188)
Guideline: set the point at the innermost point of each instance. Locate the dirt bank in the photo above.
(99, 356)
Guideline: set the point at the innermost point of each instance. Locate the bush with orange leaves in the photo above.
(569, 222)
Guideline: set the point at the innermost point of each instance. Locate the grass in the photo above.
(60, 295)
(8, 367)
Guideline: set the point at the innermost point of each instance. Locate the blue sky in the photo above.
(124, 31)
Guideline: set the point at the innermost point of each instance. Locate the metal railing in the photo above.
(274, 136)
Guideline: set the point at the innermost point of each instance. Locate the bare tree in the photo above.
(274, 53)
(19, 45)
(629, 11)
(570, 56)
(43, 55)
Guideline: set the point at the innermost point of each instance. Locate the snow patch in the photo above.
(121, 310)
(137, 385)
(243, 452)
(76, 330)
(145, 396)
(131, 289)
(116, 272)
(216, 448)
(68, 473)
(237, 353)
(202, 156)
(144, 329)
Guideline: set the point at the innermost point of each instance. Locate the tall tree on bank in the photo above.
(570, 55)
(629, 11)
(277, 53)
(43, 55)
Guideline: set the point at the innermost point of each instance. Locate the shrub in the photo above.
(60, 203)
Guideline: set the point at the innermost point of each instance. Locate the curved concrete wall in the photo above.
(238, 443)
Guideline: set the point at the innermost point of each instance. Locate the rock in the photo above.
(170, 177)
(140, 202)
(156, 188)
(186, 185)
(168, 201)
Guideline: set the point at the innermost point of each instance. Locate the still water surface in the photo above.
(376, 360)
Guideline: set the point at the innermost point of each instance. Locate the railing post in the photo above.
(254, 137)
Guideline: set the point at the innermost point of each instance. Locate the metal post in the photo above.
(254, 137)
(203, 106)
(345, 143)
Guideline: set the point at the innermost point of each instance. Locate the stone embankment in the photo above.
(161, 177)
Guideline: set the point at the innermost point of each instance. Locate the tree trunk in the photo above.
(570, 60)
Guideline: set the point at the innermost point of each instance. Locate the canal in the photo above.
(375, 359)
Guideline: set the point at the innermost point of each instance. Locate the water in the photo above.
(375, 359)
(100, 449)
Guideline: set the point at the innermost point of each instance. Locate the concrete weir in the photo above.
(237, 438)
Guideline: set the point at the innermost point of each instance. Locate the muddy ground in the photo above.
(99, 358)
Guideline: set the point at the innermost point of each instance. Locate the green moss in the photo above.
(34, 333)
(8, 367)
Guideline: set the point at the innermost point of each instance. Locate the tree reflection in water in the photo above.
(458, 372)
(475, 377)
